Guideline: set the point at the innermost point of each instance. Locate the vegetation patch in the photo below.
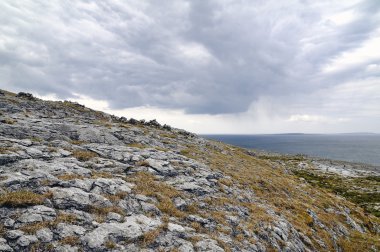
(70, 240)
(78, 142)
(350, 188)
(8, 121)
(149, 237)
(110, 244)
(147, 184)
(70, 176)
(61, 218)
(83, 156)
(116, 197)
(21, 198)
(34, 227)
(137, 145)
(5, 150)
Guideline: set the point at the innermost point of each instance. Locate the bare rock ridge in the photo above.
(75, 179)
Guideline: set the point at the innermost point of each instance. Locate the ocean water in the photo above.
(361, 148)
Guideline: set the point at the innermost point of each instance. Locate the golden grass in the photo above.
(149, 237)
(137, 145)
(2, 230)
(168, 135)
(143, 163)
(101, 212)
(5, 150)
(21, 198)
(34, 227)
(8, 121)
(146, 184)
(273, 188)
(83, 156)
(66, 218)
(110, 244)
(61, 218)
(78, 142)
(117, 197)
(70, 240)
(70, 176)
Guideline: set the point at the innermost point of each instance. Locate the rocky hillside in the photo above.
(74, 179)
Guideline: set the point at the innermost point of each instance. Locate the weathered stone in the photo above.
(65, 230)
(132, 228)
(114, 217)
(4, 247)
(208, 245)
(14, 234)
(44, 235)
(26, 240)
(176, 228)
(64, 198)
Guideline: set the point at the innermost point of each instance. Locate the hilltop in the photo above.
(75, 179)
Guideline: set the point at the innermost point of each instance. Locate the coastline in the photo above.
(356, 182)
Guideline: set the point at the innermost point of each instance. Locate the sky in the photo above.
(223, 66)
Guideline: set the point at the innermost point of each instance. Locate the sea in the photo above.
(358, 148)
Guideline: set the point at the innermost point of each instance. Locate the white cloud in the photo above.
(367, 52)
(307, 118)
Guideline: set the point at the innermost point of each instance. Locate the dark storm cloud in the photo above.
(202, 56)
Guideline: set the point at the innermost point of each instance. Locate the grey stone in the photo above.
(65, 230)
(198, 219)
(14, 234)
(26, 240)
(208, 245)
(132, 228)
(149, 208)
(29, 218)
(176, 228)
(66, 248)
(44, 235)
(114, 217)
(4, 247)
(64, 198)
(9, 222)
(180, 203)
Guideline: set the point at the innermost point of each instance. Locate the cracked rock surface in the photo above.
(74, 179)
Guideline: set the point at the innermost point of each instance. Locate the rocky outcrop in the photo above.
(74, 179)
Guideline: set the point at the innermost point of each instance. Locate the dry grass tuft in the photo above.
(149, 237)
(110, 244)
(61, 218)
(21, 198)
(66, 218)
(70, 240)
(117, 197)
(146, 184)
(101, 212)
(8, 121)
(70, 176)
(137, 145)
(84, 155)
(34, 227)
(78, 142)
(143, 163)
(2, 230)
(5, 150)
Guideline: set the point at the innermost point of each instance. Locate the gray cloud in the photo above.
(208, 57)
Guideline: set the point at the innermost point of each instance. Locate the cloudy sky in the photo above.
(225, 66)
